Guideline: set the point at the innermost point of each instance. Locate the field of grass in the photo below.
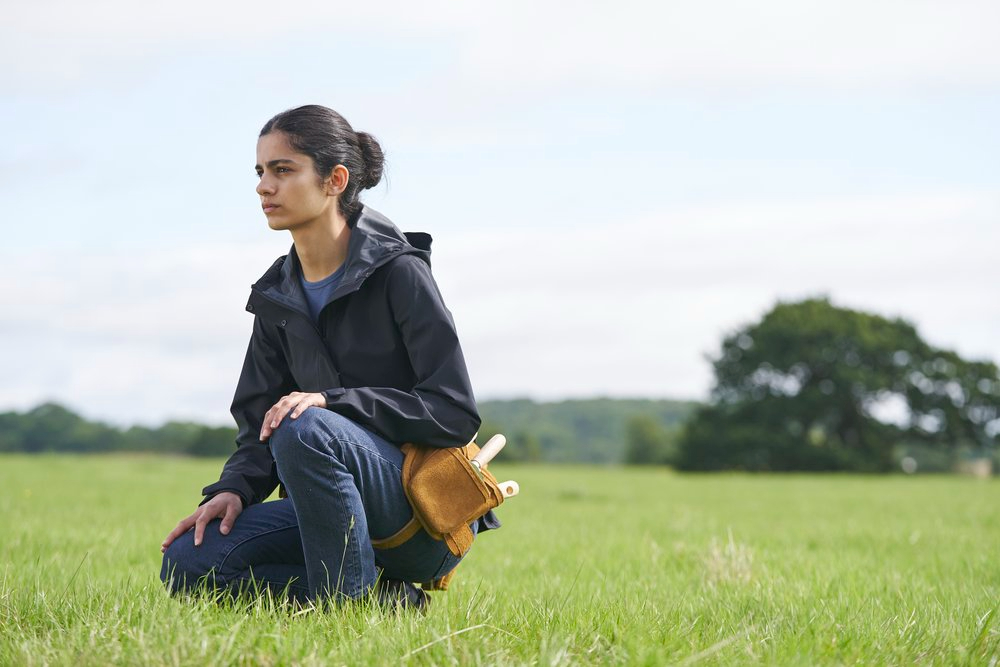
(593, 566)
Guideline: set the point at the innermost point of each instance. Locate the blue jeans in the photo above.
(344, 488)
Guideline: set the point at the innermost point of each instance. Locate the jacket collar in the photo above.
(375, 241)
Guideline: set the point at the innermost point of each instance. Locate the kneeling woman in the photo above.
(353, 353)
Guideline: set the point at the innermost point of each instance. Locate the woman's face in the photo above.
(291, 193)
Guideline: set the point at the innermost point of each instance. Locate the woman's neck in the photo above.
(322, 247)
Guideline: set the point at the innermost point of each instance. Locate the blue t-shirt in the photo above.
(318, 293)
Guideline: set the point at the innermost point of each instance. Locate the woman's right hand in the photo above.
(225, 504)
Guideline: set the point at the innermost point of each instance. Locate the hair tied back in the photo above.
(371, 153)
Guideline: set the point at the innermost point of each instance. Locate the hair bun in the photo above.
(374, 159)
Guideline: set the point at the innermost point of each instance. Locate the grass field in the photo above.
(593, 566)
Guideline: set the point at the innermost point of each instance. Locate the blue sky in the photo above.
(610, 191)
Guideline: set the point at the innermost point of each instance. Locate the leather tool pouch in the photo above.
(447, 494)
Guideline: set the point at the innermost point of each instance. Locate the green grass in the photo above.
(593, 566)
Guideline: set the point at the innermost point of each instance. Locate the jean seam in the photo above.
(374, 452)
(444, 560)
(355, 553)
(227, 554)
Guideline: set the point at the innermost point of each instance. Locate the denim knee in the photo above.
(290, 434)
(316, 429)
(180, 570)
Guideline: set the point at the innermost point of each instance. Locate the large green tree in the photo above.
(816, 387)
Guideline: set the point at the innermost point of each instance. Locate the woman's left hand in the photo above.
(296, 403)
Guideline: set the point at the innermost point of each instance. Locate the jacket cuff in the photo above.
(237, 486)
(331, 395)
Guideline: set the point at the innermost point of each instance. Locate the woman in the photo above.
(352, 354)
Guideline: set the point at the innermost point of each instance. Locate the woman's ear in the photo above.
(337, 182)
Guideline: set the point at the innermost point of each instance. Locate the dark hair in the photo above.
(326, 137)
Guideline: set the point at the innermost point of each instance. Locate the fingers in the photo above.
(225, 505)
(296, 403)
(232, 511)
(308, 401)
(277, 412)
(207, 512)
(182, 527)
(199, 527)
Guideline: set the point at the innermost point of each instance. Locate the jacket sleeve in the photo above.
(250, 471)
(440, 410)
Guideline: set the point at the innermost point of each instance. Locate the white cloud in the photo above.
(259, 21)
(130, 337)
(740, 45)
(629, 308)
(703, 45)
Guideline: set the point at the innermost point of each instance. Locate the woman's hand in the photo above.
(225, 504)
(296, 402)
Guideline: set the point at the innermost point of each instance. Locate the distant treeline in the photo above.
(584, 431)
(811, 386)
(600, 430)
(51, 427)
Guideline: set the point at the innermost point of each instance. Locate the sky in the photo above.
(612, 187)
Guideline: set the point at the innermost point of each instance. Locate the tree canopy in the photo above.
(816, 387)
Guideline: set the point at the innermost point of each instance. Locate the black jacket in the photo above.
(384, 353)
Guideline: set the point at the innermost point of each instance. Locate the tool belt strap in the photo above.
(411, 528)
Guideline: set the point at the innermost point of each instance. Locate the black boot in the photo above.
(396, 595)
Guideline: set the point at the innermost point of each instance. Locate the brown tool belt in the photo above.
(447, 493)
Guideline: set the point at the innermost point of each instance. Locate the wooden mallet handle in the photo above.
(509, 488)
(486, 454)
(489, 450)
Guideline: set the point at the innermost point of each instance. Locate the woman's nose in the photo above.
(264, 186)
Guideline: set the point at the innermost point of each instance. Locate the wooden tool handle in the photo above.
(509, 488)
(490, 449)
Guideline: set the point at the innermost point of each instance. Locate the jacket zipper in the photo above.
(319, 335)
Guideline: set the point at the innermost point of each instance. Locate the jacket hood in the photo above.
(374, 241)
